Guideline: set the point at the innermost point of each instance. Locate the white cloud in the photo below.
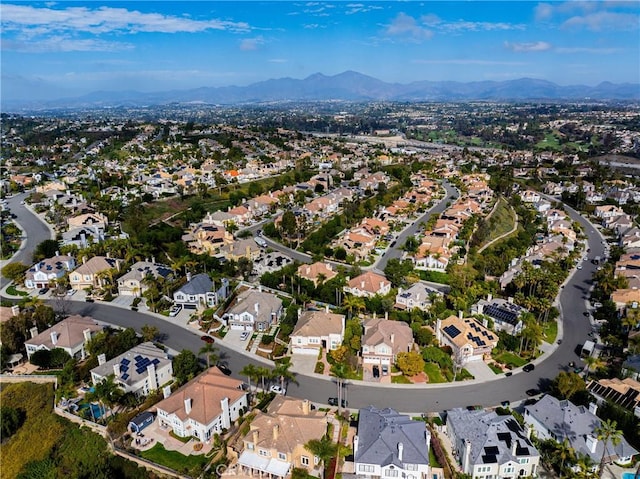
(59, 43)
(277, 60)
(249, 44)
(604, 21)
(595, 51)
(104, 20)
(528, 47)
(353, 8)
(406, 26)
(592, 15)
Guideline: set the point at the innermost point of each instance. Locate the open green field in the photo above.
(501, 221)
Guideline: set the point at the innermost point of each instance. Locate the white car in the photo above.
(244, 335)
(277, 389)
(579, 266)
(175, 309)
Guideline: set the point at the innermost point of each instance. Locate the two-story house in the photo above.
(418, 296)
(368, 284)
(133, 283)
(204, 406)
(275, 443)
(196, 293)
(71, 334)
(44, 273)
(141, 370)
(317, 272)
(506, 315)
(488, 445)
(382, 340)
(93, 272)
(389, 444)
(317, 330)
(254, 310)
(468, 339)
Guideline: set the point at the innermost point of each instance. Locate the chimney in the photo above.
(116, 369)
(84, 259)
(54, 338)
(466, 456)
(460, 314)
(361, 284)
(187, 406)
(87, 335)
(255, 437)
(386, 315)
(514, 446)
(153, 259)
(326, 308)
(151, 374)
(37, 267)
(393, 337)
(256, 307)
(166, 392)
(593, 407)
(108, 254)
(510, 299)
(299, 312)
(188, 276)
(400, 451)
(489, 297)
(355, 444)
(592, 442)
(102, 358)
(259, 288)
(306, 407)
(15, 310)
(57, 253)
(34, 332)
(275, 432)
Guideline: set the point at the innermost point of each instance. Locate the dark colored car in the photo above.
(207, 339)
(43, 291)
(532, 392)
(224, 369)
(334, 402)
(528, 368)
(376, 371)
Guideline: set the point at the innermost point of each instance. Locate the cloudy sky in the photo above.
(52, 49)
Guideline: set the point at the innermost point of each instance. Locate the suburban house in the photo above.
(82, 237)
(624, 298)
(241, 248)
(368, 284)
(71, 334)
(317, 272)
(141, 370)
(383, 339)
(552, 418)
(254, 310)
(358, 243)
(204, 406)
(418, 295)
(133, 282)
(623, 392)
(433, 253)
(317, 330)
(44, 273)
(93, 273)
(196, 293)
(530, 196)
(506, 315)
(206, 238)
(468, 339)
(94, 220)
(274, 444)
(389, 444)
(488, 445)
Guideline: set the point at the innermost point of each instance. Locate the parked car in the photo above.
(207, 339)
(43, 291)
(224, 369)
(175, 309)
(528, 367)
(71, 292)
(533, 392)
(275, 388)
(334, 402)
(244, 335)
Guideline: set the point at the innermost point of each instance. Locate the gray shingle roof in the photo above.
(381, 430)
(199, 284)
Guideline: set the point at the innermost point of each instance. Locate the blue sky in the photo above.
(52, 49)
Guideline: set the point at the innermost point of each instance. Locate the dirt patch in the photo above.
(420, 378)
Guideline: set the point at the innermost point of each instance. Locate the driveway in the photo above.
(304, 363)
(480, 370)
(232, 340)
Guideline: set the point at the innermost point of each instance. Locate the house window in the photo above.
(523, 460)
(365, 468)
(263, 452)
(282, 456)
(411, 467)
(508, 470)
(304, 460)
(391, 473)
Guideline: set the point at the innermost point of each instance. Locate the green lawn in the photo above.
(400, 380)
(434, 373)
(495, 369)
(501, 221)
(11, 289)
(550, 331)
(550, 142)
(510, 358)
(173, 459)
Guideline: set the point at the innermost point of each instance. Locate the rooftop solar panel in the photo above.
(125, 377)
(452, 331)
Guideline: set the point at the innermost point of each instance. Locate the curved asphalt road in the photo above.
(407, 398)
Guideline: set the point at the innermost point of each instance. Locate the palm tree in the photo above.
(283, 374)
(593, 363)
(340, 371)
(353, 303)
(264, 373)
(564, 452)
(106, 392)
(324, 449)
(251, 371)
(210, 353)
(607, 432)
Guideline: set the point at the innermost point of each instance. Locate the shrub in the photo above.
(319, 369)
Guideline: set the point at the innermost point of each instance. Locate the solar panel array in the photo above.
(503, 313)
(628, 400)
(452, 331)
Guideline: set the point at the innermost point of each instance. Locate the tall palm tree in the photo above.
(251, 371)
(340, 371)
(210, 353)
(607, 432)
(264, 373)
(564, 452)
(106, 392)
(593, 363)
(283, 374)
(352, 303)
(324, 449)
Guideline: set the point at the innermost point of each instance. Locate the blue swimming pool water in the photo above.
(629, 475)
(97, 411)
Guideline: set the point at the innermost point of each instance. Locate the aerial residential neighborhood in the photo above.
(215, 300)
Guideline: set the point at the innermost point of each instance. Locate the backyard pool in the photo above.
(95, 408)
(629, 475)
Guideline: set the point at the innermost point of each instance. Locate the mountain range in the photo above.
(348, 86)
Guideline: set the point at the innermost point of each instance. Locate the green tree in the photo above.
(251, 372)
(210, 354)
(607, 432)
(107, 392)
(288, 224)
(14, 271)
(149, 333)
(410, 363)
(45, 249)
(566, 384)
(324, 449)
(185, 366)
(397, 271)
(281, 371)
(10, 421)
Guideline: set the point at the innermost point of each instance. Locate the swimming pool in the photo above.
(629, 475)
(97, 411)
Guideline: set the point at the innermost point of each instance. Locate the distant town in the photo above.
(328, 289)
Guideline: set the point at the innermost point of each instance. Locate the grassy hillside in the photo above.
(48, 446)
